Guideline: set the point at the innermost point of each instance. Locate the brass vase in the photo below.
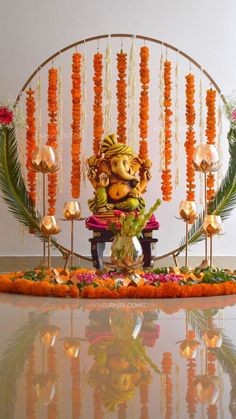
(126, 252)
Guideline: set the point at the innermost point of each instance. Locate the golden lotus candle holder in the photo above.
(72, 212)
(213, 338)
(188, 348)
(48, 335)
(49, 226)
(45, 388)
(71, 347)
(208, 388)
(44, 160)
(206, 159)
(212, 225)
(188, 212)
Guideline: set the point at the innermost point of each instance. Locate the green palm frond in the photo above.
(13, 360)
(225, 199)
(12, 184)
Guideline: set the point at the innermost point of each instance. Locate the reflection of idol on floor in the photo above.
(117, 344)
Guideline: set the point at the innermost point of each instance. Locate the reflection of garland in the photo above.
(97, 403)
(191, 373)
(30, 392)
(52, 368)
(75, 390)
(211, 370)
(167, 364)
(52, 135)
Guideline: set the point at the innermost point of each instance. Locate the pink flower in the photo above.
(6, 116)
(118, 226)
(117, 213)
(233, 115)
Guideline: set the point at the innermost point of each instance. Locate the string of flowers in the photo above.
(83, 115)
(191, 373)
(190, 136)
(167, 364)
(211, 370)
(144, 102)
(21, 135)
(30, 142)
(177, 134)
(132, 94)
(219, 144)
(201, 135)
(211, 135)
(75, 390)
(97, 104)
(97, 403)
(144, 396)
(161, 114)
(52, 135)
(30, 392)
(108, 90)
(38, 98)
(60, 131)
(166, 172)
(76, 132)
(121, 94)
(52, 409)
(122, 411)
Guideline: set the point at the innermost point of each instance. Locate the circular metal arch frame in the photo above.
(175, 252)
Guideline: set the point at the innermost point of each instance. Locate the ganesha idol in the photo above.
(118, 177)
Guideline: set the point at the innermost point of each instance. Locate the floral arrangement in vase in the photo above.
(132, 223)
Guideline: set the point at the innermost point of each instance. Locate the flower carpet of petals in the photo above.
(87, 283)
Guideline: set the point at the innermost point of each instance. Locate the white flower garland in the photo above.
(132, 94)
(83, 115)
(108, 90)
(177, 135)
(161, 114)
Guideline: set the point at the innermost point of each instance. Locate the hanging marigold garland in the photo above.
(30, 142)
(97, 403)
(76, 128)
(132, 94)
(52, 135)
(97, 104)
(121, 94)
(211, 135)
(166, 172)
(190, 137)
(144, 102)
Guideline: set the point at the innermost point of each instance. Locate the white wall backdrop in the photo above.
(33, 30)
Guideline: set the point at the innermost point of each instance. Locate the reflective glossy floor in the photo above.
(144, 359)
